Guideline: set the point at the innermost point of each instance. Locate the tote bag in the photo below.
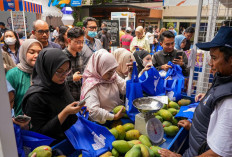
(133, 91)
(92, 139)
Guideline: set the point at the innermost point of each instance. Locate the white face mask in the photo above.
(10, 41)
(146, 63)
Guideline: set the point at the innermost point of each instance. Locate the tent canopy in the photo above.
(18, 5)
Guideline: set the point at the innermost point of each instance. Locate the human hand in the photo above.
(73, 108)
(77, 76)
(4, 66)
(167, 153)
(130, 66)
(23, 125)
(184, 123)
(147, 67)
(165, 67)
(199, 97)
(119, 115)
(179, 61)
(140, 48)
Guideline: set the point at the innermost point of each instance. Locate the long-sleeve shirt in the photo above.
(100, 104)
(144, 43)
(77, 65)
(160, 58)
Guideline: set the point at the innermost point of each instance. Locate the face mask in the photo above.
(146, 63)
(92, 34)
(10, 41)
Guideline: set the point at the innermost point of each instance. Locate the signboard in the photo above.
(113, 27)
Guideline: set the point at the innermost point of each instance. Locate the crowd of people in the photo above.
(46, 79)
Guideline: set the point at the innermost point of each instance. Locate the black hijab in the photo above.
(139, 55)
(48, 61)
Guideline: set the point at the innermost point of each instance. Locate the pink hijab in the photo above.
(99, 63)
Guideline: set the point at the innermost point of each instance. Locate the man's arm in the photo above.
(209, 153)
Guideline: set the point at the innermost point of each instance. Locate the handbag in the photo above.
(151, 82)
(133, 91)
(90, 138)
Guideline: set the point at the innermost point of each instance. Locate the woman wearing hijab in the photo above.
(123, 56)
(20, 76)
(104, 86)
(48, 101)
(140, 41)
(180, 42)
(143, 60)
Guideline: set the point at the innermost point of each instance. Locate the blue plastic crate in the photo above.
(177, 144)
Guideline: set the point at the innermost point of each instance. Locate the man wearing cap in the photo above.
(211, 128)
(126, 39)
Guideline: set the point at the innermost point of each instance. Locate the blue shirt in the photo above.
(13, 56)
(52, 45)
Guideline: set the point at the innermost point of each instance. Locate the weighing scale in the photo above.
(146, 122)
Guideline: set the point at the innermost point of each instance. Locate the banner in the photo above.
(62, 3)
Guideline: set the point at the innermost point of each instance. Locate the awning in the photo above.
(17, 5)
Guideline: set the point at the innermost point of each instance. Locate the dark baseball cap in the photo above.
(222, 39)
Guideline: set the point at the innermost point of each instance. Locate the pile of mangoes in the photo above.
(130, 143)
(167, 113)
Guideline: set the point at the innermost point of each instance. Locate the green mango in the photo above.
(155, 150)
(171, 130)
(164, 106)
(160, 118)
(173, 111)
(128, 126)
(165, 114)
(166, 123)
(173, 104)
(152, 154)
(134, 142)
(121, 146)
(115, 152)
(145, 140)
(135, 151)
(184, 102)
(144, 150)
(132, 135)
(114, 131)
(174, 121)
(42, 151)
(121, 132)
(118, 108)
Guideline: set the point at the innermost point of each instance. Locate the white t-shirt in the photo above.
(219, 135)
(150, 37)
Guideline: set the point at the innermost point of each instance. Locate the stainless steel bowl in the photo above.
(147, 105)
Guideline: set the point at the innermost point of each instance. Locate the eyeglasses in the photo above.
(79, 42)
(65, 73)
(41, 32)
(92, 28)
